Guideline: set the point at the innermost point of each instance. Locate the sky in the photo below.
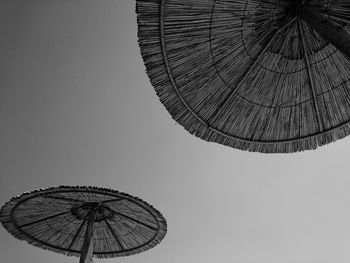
(77, 108)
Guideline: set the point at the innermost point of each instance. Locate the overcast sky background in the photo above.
(76, 108)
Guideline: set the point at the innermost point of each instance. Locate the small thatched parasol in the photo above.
(84, 221)
(257, 75)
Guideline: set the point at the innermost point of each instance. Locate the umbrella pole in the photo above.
(331, 32)
(87, 248)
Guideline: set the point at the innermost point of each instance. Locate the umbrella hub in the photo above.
(101, 212)
(270, 13)
(270, 16)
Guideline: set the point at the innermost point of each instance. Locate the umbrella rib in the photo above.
(114, 234)
(339, 19)
(111, 200)
(222, 105)
(62, 198)
(132, 219)
(43, 219)
(309, 73)
(77, 233)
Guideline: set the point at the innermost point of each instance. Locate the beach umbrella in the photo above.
(257, 75)
(84, 221)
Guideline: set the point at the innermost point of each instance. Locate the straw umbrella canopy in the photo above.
(257, 75)
(84, 221)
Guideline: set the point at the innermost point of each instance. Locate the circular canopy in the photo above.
(249, 74)
(56, 219)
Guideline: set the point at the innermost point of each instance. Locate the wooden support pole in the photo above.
(87, 248)
(330, 31)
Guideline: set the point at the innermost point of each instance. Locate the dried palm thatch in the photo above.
(58, 219)
(250, 74)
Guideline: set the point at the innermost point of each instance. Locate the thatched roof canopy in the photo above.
(249, 74)
(56, 219)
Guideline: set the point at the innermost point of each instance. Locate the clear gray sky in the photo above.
(76, 108)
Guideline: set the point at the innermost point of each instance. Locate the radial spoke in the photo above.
(114, 234)
(77, 233)
(309, 73)
(62, 198)
(132, 219)
(111, 200)
(326, 28)
(339, 19)
(249, 70)
(44, 219)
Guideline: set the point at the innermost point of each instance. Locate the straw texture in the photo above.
(247, 73)
(56, 219)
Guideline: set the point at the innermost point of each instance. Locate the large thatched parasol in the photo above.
(257, 75)
(84, 221)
